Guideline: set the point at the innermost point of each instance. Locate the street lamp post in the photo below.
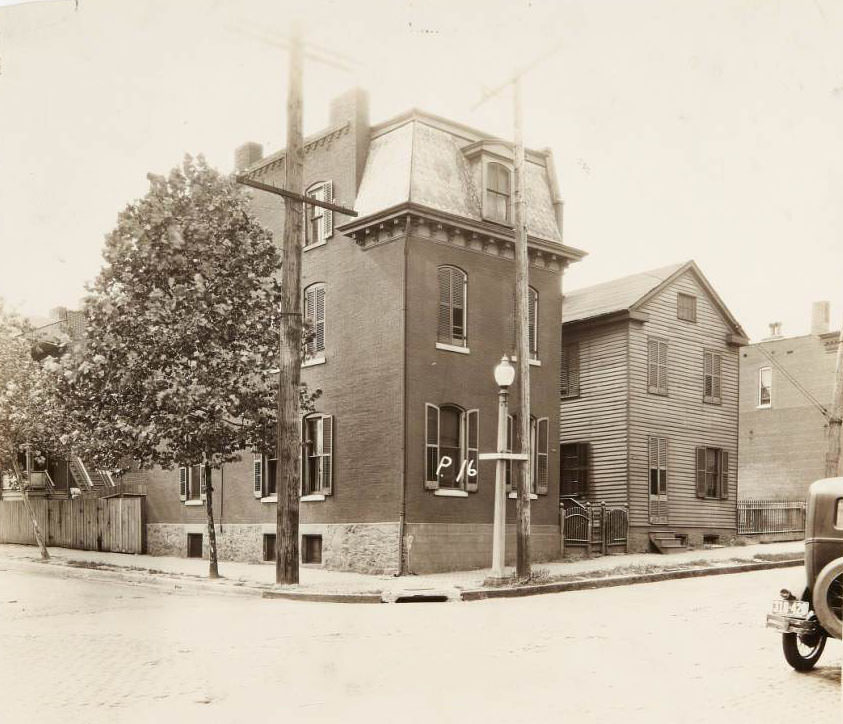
(504, 376)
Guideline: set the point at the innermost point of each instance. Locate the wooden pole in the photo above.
(522, 346)
(832, 455)
(213, 565)
(289, 429)
(36, 529)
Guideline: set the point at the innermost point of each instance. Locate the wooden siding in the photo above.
(104, 524)
(599, 415)
(681, 416)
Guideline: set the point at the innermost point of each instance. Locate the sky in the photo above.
(705, 129)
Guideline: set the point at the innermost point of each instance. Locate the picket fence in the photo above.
(90, 524)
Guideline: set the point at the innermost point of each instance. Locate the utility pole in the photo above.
(289, 378)
(832, 455)
(522, 344)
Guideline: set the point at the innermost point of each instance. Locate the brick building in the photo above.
(412, 307)
(785, 383)
(649, 410)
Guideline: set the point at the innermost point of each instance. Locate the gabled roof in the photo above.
(630, 293)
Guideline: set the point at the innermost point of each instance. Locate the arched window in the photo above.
(314, 317)
(498, 193)
(318, 221)
(453, 285)
(451, 447)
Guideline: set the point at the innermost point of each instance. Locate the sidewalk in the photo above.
(257, 579)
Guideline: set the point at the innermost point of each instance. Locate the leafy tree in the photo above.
(181, 356)
(29, 418)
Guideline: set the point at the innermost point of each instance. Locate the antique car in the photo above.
(807, 621)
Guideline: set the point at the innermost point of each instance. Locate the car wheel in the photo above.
(828, 598)
(803, 651)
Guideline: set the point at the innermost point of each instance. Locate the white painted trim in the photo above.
(450, 493)
(313, 362)
(314, 246)
(269, 499)
(503, 456)
(535, 363)
(194, 502)
(452, 348)
(314, 497)
(514, 496)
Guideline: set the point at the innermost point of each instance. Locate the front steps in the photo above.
(667, 542)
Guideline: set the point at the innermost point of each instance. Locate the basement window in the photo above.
(269, 546)
(311, 549)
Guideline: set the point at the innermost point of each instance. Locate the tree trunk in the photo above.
(213, 568)
(832, 456)
(522, 346)
(289, 430)
(39, 538)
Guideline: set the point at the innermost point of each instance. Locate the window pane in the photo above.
(271, 477)
(449, 433)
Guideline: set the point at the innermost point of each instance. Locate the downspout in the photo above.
(556, 199)
(402, 511)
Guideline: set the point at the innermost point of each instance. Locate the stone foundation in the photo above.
(639, 538)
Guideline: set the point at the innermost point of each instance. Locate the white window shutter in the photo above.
(182, 483)
(257, 475)
(327, 454)
(542, 436)
(327, 214)
(445, 329)
(431, 449)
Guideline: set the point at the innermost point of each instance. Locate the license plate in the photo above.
(796, 609)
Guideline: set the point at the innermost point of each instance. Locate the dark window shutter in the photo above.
(444, 331)
(257, 475)
(303, 484)
(327, 455)
(724, 474)
(431, 481)
(542, 482)
(458, 307)
(319, 341)
(662, 383)
(652, 364)
(533, 298)
(472, 445)
(717, 365)
(182, 483)
(508, 468)
(700, 472)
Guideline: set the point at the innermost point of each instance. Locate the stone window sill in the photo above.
(313, 362)
(313, 497)
(194, 502)
(513, 496)
(315, 246)
(452, 348)
(269, 499)
(450, 493)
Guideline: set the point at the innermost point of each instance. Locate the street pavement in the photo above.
(691, 650)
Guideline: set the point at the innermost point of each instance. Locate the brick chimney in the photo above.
(246, 155)
(820, 317)
(775, 331)
(353, 107)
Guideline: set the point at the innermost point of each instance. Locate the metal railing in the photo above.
(771, 516)
(595, 526)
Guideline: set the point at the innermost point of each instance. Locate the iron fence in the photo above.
(771, 516)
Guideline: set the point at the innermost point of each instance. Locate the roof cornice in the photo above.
(259, 168)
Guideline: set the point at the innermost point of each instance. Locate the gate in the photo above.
(595, 527)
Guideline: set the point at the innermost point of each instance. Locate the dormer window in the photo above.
(498, 192)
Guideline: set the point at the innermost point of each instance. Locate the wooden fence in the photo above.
(595, 527)
(90, 524)
(771, 516)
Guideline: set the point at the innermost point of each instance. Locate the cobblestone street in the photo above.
(692, 650)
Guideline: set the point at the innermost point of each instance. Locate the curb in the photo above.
(224, 587)
(479, 594)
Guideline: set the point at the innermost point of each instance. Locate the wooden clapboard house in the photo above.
(649, 405)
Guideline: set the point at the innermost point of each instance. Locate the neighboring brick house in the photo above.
(412, 307)
(649, 409)
(786, 382)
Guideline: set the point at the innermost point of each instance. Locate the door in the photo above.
(658, 480)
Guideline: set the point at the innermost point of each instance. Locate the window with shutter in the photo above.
(575, 464)
(314, 314)
(658, 465)
(452, 307)
(542, 436)
(712, 472)
(569, 379)
(182, 483)
(700, 468)
(451, 439)
(657, 366)
(313, 457)
(724, 474)
(712, 365)
(318, 220)
(257, 475)
(533, 316)
(327, 453)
